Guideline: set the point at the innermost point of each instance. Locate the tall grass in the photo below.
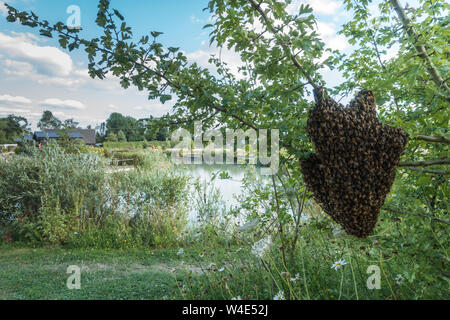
(61, 198)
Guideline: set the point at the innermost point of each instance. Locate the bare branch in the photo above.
(440, 172)
(433, 139)
(416, 214)
(424, 163)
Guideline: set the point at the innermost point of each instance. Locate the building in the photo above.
(87, 135)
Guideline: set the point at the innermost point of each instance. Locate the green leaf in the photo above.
(156, 34)
(165, 97)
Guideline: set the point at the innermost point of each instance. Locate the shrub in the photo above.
(58, 197)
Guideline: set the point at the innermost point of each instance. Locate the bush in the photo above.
(57, 197)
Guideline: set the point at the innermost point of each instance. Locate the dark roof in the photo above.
(88, 135)
(47, 134)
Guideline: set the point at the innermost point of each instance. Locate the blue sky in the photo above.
(36, 75)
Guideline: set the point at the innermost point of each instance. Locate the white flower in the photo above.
(399, 279)
(279, 295)
(180, 252)
(212, 266)
(237, 298)
(260, 247)
(297, 277)
(339, 264)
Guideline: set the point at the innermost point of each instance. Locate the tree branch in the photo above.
(433, 139)
(416, 214)
(432, 70)
(287, 50)
(440, 172)
(424, 163)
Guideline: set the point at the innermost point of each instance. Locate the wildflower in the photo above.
(297, 277)
(237, 298)
(279, 295)
(261, 246)
(399, 280)
(180, 252)
(339, 264)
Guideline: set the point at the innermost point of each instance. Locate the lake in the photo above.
(228, 188)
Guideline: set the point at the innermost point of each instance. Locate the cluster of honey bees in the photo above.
(353, 168)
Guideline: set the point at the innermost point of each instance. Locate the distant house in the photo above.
(27, 139)
(87, 135)
(44, 136)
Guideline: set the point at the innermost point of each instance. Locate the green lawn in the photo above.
(114, 274)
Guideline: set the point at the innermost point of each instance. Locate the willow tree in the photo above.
(282, 58)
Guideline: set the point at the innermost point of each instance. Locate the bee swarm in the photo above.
(353, 168)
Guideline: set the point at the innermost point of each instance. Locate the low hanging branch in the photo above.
(438, 139)
(424, 163)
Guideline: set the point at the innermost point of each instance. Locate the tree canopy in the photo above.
(282, 59)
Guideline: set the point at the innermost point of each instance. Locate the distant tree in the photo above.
(156, 129)
(12, 127)
(121, 136)
(111, 137)
(70, 124)
(133, 129)
(49, 121)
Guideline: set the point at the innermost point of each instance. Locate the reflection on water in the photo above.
(228, 188)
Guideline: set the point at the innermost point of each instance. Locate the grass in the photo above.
(27, 273)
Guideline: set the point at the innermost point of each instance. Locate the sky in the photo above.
(37, 75)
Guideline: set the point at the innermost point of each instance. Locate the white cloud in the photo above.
(3, 10)
(154, 108)
(63, 104)
(202, 56)
(45, 59)
(326, 7)
(328, 33)
(5, 110)
(8, 99)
